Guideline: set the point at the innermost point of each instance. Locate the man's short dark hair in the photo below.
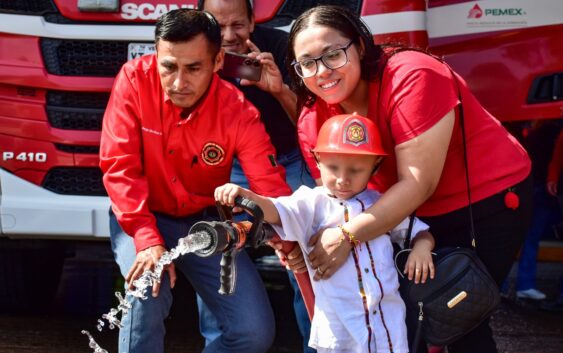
(248, 3)
(182, 25)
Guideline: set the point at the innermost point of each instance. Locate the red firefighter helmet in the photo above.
(349, 134)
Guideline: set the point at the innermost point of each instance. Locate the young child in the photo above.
(357, 309)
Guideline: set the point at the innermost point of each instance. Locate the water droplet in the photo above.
(188, 244)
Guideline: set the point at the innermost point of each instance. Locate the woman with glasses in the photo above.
(416, 101)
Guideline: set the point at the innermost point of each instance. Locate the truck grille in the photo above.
(27, 7)
(83, 57)
(76, 110)
(75, 181)
(77, 149)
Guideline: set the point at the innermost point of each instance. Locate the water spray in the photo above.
(207, 238)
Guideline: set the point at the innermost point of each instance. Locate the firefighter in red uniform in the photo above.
(170, 133)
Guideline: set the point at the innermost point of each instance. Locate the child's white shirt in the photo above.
(339, 321)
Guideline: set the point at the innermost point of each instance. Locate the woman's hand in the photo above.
(330, 251)
(293, 260)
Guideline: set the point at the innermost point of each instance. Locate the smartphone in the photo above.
(241, 66)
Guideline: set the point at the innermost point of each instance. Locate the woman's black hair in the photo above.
(351, 26)
(182, 25)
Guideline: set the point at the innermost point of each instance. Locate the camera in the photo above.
(241, 66)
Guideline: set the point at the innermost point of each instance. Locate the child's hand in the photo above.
(419, 265)
(227, 193)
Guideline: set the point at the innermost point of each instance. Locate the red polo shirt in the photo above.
(417, 92)
(156, 161)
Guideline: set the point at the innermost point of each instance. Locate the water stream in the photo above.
(188, 244)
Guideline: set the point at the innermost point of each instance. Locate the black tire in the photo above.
(30, 271)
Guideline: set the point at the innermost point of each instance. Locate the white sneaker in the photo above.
(531, 293)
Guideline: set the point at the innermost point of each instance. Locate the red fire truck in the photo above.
(58, 59)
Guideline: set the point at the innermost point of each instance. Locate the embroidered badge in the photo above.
(212, 153)
(355, 133)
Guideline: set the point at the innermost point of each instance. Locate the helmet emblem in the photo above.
(212, 153)
(355, 133)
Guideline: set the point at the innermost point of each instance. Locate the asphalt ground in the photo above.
(519, 326)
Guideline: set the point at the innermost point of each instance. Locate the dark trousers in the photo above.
(500, 232)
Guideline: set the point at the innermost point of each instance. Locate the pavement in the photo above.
(524, 326)
(86, 291)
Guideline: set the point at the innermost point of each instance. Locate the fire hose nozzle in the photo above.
(228, 238)
(217, 234)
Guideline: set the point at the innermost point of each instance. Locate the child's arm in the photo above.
(227, 193)
(419, 263)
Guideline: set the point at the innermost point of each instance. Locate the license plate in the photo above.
(136, 50)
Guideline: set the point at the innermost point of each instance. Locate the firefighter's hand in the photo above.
(294, 260)
(329, 253)
(271, 79)
(146, 260)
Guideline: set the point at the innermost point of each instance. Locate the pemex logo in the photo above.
(475, 12)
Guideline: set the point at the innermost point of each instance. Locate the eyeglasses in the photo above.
(333, 59)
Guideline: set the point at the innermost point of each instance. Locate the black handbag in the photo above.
(462, 293)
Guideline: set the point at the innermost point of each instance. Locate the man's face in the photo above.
(235, 24)
(186, 69)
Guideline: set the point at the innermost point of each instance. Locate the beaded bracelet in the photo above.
(349, 237)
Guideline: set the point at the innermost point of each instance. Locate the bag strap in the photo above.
(409, 231)
(417, 336)
(465, 159)
(463, 136)
(465, 162)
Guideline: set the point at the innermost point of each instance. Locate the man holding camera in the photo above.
(277, 105)
(270, 95)
(171, 130)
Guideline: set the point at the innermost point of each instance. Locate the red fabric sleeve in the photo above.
(121, 163)
(419, 92)
(257, 156)
(307, 131)
(556, 163)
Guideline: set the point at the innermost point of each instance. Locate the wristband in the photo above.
(349, 237)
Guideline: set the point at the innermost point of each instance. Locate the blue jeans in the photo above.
(545, 214)
(296, 174)
(246, 317)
